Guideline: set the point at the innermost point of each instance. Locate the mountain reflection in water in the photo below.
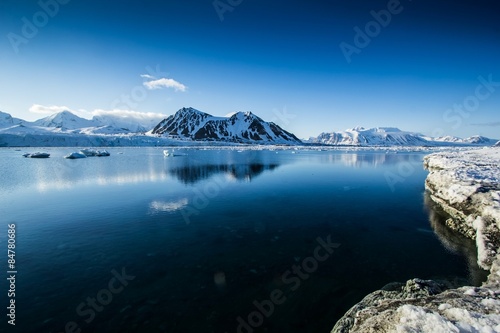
(191, 174)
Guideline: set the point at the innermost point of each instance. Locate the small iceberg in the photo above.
(37, 155)
(89, 152)
(75, 155)
(172, 153)
(102, 153)
(92, 152)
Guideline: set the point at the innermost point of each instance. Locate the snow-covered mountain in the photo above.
(476, 140)
(379, 136)
(64, 121)
(480, 140)
(448, 138)
(242, 127)
(188, 124)
(67, 129)
(390, 136)
(6, 120)
(132, 122)
(135, 129)
(497, 144)
(102, 123)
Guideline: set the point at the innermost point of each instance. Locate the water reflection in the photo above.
(168, 206)
(132, 167)
(142, 165)
(190, 174)
(372, 158)
(242, 166)
(453, 241)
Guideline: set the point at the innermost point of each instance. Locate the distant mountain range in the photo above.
(101, 124)
(186, 126)
(390, 136)
(190, 126)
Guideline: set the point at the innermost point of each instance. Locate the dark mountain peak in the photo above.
(243, 127)
(189, 111)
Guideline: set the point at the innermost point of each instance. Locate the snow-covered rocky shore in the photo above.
(465, 184)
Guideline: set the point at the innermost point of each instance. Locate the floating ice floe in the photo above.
(93, 152)
(75, 155)
(101, 153)
(37, 155)
(172, 153)
(89, 152)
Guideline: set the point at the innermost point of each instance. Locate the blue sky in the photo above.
(424, 70)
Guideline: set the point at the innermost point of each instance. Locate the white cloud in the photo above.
(51, 109)
(165, 83)
(147, 76)
(144, 118)
(37, 108)
(124, 116)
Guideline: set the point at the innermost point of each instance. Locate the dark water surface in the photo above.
(139, 242)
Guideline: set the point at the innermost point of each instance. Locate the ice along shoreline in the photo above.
(465, 184)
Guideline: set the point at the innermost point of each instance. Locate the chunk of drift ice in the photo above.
(75, 155)
(89, 152)
(39, 155)
(102, 153)
(173, 153)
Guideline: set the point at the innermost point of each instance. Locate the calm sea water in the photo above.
(215, 241)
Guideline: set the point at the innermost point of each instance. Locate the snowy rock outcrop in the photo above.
(424, 306)
(465, 184)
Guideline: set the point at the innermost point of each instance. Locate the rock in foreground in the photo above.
(466, 186)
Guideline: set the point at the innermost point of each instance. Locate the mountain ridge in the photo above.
(7, 120)
(240, 127)
(192, 125)
(392, 136)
